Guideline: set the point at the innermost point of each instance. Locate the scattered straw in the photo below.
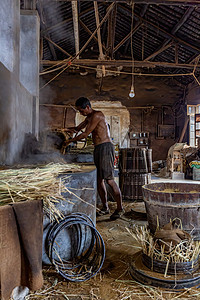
(39, 183)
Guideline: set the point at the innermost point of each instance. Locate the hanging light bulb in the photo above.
(132, 92)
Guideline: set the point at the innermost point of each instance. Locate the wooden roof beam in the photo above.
(68, 20)
(76, 26)
(61, 49)
(111, 32)
(89, 31)
(117, 63)
(101, 55)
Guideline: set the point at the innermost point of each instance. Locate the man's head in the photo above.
(83, 105)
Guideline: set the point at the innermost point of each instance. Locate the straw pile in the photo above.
(184, 251)
(33, 184)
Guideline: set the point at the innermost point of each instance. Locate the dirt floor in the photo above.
(113, 282)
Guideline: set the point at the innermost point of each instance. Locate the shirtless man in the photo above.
(95, 123)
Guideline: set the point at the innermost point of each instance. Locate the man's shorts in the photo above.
(104, 155)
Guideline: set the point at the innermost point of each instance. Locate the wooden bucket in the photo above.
(165, 201)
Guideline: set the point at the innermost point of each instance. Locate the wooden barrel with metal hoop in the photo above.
(133, 172)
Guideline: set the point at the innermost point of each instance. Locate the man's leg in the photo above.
(101, 188)
(116, 193)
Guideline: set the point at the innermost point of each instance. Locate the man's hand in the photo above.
(64, 146)
(67, 143)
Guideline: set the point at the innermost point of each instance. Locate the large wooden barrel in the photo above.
(131, 185)
(133, 160)
(165, 201)
(134, 172)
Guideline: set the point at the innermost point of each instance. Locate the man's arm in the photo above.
(91, 125)
(77, 128)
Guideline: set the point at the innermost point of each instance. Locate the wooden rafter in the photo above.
(89, 31)
(128, 36)
(93, 34)
(61, 49)
(101, 55)
(124, 63)
(76, 25)
(142, 14)
(67, 20)
(159, 51)
(111, 32)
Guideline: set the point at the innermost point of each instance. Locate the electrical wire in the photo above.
(134, 73)
(85, 249)
(132, 19)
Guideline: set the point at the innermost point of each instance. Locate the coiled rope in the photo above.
(85, 251)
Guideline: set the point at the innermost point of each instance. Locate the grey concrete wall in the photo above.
(29, 59)
(29, 51)
(17, 107)
(15, 116)
(9, 34)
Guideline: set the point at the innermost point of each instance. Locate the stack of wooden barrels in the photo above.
(135, 167)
